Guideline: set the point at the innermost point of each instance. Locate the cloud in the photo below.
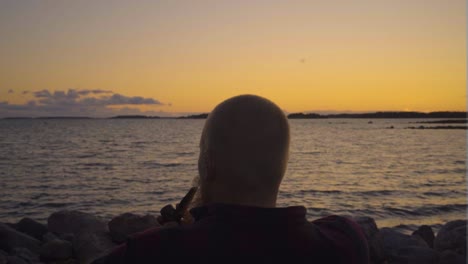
(10, 91)
(42, 94)
(94, 103)
(86, 92)
(118, 99)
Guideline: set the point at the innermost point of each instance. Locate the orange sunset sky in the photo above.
(100, 58)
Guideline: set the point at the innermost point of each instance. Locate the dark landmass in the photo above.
(305, 116)
(49, 117)
(18, 118)
(299, 116)
(134, 117)
(200, 116)
(63, 117)
(438, 127)
(464, 121)
(381, 115)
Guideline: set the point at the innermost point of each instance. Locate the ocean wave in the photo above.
(152, 164)
(441, 193)
(426, 210)
(308, 153)
(108, 188)
(55, 204)
(155, 192)
(320, 191)
(94, 164)
(447, 171)
(24, 204)
(377, 192)
(39, 195)
(405, 228)
(365, 193)
(188, 153)
(84, 156)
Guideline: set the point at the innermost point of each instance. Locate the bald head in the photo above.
(243, 152)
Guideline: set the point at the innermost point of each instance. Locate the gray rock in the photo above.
(26, 255)
(75, 222)
(11, 225)
(450, 257)
(66, 261)
(374, 238)
(68, 237)
(425, 232)
(16, 260)
(415, 255)
(3, 257)
(31, 228)
(56, 249)
(48, 237)
(393, 241)
(126, 224)
(452, 236)
(90, 246)
(10, 239)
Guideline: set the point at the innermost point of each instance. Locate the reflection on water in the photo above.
(108, 167)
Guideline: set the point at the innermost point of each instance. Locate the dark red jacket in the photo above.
(233, 233)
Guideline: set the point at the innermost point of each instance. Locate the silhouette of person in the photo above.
(244, 151)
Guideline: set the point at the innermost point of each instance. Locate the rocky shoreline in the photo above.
(78, 237)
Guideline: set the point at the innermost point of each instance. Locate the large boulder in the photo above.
(3, 257)
(31, 228)
(16, 260)
(68, 237)
(49, 236)
(10, 239)
(415, 255)
(450, 257)
(75, 222)
(126, 224)
(452, 236)
(393, 241)
(56, 250)
(26, 255)
(90, 246)
(425, 232)
(374, 239)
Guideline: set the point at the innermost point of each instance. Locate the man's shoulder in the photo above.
(345, 234)
(153, 239)
(142, 246)
(336, 222)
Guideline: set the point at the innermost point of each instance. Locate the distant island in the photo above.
(51, 117)
(381, 115)
(457, 121)
(134, 117)
(374, 115)
(200, 116)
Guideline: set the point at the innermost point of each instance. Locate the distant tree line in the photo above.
(445, 114)
(381, 115)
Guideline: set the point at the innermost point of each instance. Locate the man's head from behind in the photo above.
(244, 151)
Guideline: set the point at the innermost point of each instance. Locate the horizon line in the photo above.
(204, 114)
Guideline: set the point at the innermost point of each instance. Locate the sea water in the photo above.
(400, 177)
